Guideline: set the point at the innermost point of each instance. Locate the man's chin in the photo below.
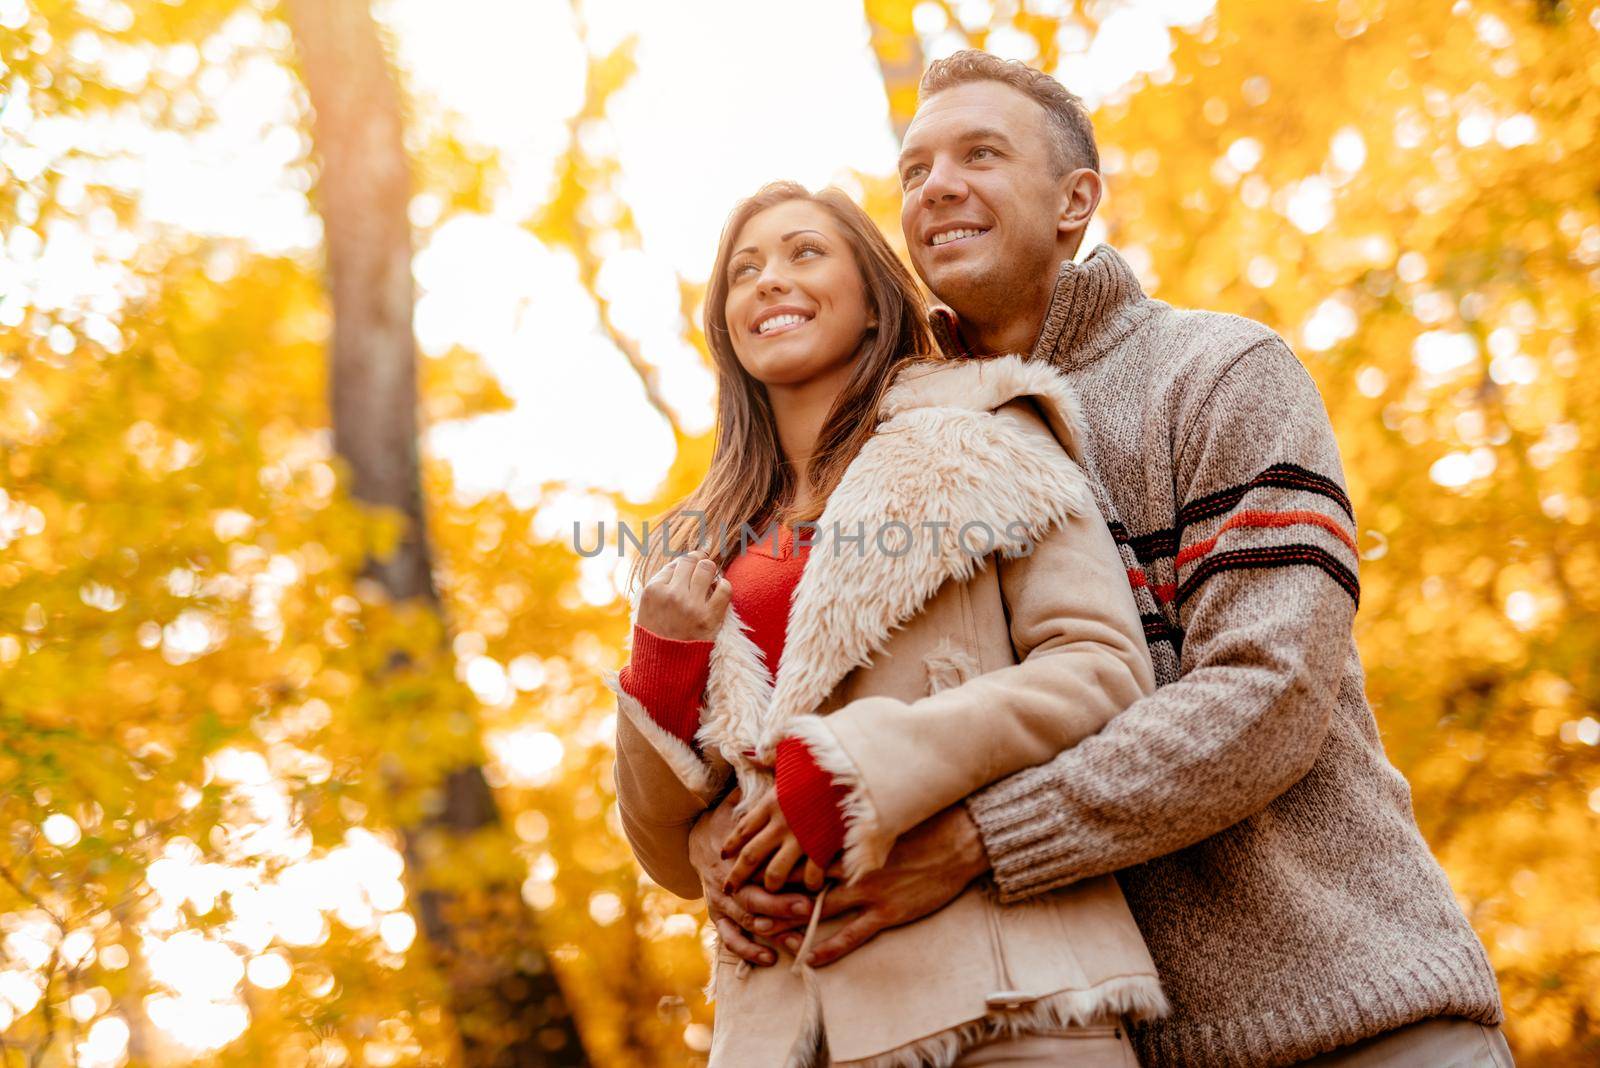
(959, 284)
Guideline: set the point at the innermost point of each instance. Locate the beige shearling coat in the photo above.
(917, 675)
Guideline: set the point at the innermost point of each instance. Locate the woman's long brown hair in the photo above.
(749, 485)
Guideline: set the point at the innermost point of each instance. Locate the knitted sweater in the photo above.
(1266, 846)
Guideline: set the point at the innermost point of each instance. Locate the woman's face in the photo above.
(797, 304)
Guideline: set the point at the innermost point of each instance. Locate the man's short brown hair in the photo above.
(1071, 133)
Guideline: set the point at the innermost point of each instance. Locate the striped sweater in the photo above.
(1267, 847)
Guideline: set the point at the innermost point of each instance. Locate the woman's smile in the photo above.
(780, 319)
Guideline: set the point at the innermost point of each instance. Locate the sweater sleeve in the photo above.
(668, 677)
(1266, 595)
(812, 802)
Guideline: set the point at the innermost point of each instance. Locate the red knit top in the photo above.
(668, 678)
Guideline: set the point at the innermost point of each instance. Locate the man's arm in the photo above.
(1266, 595)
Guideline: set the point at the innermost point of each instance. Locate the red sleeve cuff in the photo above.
(812, 803)
(668, 677)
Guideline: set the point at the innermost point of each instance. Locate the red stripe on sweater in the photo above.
(1261, 519)
(1164, 591)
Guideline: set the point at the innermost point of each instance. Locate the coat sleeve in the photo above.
(1266, 597)
(1081, 654)
(663, 785)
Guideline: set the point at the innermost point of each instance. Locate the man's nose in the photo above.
(943, 185)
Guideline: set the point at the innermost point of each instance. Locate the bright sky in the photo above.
(707, 119)
(729, 94)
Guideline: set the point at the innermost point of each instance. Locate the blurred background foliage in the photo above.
(227, 754)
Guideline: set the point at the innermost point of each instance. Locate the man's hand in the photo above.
(749, 911)
(927, 869)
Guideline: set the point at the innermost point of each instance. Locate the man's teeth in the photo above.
(954, 235)
(780, 320)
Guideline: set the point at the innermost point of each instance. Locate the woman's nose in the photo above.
(771, 281)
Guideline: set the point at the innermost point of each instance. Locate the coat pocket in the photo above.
(949, 664)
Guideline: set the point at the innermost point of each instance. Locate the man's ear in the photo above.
(1080, 195)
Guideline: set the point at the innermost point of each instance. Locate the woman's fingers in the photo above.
(753, 855)
(683, 567)
(744, 830)
(749, 825)
(734, 938)
(814, 876)
(783, 861)
(702, 577)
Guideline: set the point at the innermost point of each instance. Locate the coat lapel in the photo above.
(940, 456)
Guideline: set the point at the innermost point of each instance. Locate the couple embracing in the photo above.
(1010, 713)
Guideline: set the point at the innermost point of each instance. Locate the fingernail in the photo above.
(800, 908)
(766, 958)
(762, 925)
(791, 943)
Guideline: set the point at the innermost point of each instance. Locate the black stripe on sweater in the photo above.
(1267, 557)
(1148, 548)
(1286, 476)
(1157, 628)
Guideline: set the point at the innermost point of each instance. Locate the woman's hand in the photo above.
(764, 833)
(749, 914)
(686, 599)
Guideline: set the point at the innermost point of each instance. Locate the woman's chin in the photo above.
(790, 371)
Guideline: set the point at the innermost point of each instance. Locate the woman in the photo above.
(960, 613)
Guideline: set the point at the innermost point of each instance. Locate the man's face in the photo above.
(982, 196)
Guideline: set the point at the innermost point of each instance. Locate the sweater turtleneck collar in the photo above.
(1096, 303)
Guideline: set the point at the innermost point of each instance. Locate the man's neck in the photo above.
(1012, 327)
(1013, 334)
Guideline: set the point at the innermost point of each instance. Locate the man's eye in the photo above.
(982, 153)
(911, 174)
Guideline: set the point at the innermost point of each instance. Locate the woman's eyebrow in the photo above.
(786, 237)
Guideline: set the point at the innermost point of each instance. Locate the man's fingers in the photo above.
(734, 938)
(781, 907)
(844, 898)
(721, 905)
(847, 939)
(789, 854)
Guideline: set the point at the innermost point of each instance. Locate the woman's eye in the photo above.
(803, 249)
(740, 269)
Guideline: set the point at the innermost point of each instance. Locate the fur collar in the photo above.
(940, 454)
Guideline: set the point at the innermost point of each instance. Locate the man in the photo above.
(1265, 845)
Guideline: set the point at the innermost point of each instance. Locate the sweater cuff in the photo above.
(812, 803)
(668, 677)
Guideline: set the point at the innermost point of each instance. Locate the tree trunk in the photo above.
(505, 998)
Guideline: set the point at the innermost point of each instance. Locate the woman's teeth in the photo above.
(780, 320)
(953, 235)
